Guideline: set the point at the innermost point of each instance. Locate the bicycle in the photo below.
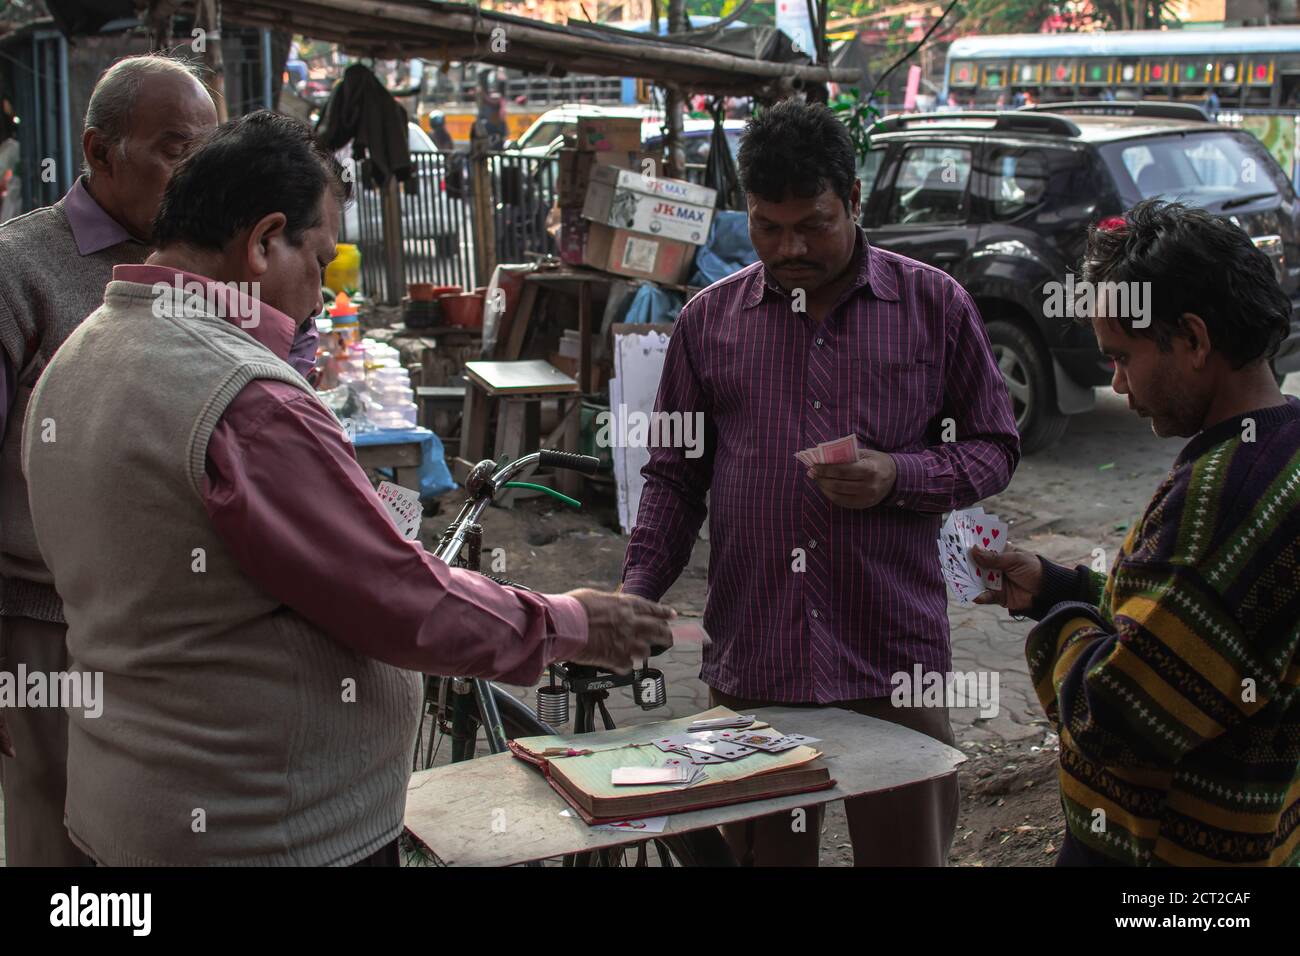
(461, 706)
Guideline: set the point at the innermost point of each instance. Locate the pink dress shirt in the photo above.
(286, 495)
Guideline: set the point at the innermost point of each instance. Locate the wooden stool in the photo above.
(439, 405)
(518, 389)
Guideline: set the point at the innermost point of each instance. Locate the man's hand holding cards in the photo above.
(849, 475)
(970, 528)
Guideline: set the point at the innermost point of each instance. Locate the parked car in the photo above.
(1002, 201)
(698, 137)
(542, 136)
(551, 127)
(435, 210)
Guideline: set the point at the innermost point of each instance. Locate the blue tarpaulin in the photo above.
(728, 249)
(435, 479)
(652, 304)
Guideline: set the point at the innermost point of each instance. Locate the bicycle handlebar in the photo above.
(550, 458)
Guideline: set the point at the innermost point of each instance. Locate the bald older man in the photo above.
(143, 115)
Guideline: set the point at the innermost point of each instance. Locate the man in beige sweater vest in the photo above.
(142, 116)
(259, 622)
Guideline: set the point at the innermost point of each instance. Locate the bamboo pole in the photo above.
(367, 13)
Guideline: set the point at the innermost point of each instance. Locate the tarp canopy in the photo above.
(400, 29)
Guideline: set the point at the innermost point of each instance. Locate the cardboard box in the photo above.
(573, 236)
(574, 176)
(610, 134)
(671, 208)
(640, 256)
(676, 190)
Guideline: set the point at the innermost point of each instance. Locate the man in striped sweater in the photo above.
(1173, 681)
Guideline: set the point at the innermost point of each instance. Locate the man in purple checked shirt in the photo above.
(143, 114)
(823, 581)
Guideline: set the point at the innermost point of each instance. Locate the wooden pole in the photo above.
(207, 15)
(390, 211)
(363, 13)
(482, 210)
(674, 103)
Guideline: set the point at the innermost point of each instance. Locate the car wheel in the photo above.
(1027, 370)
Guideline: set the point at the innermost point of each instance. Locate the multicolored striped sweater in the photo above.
(1175, 681)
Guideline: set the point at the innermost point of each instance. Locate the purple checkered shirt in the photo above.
(807, 601)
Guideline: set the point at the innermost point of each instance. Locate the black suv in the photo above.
(1002, 201)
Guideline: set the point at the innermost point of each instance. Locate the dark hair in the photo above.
(1199, 263)
(797, 149)
(243, 170)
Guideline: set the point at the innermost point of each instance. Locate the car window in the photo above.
(419, 140)
(543, 134)
(869, 168)
(1018, 181)
(930, 186)
(1201, 169)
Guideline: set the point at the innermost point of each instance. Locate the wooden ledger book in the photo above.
(583, 779)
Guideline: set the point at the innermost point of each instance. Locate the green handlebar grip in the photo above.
(550, 491)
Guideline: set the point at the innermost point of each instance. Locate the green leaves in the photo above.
(859, 114)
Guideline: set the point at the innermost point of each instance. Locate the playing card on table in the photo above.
(645, 776)
(696, 773)
(720, 723)
(402, 505)
(677, 743)
(768, 742)
(720, 748)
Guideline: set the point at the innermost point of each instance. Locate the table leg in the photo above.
(567, 480)
(473, 425)
(511, 422)
(584, 334)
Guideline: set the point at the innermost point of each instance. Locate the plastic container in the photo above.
(464, 310)
(343, 317)
(344, 272)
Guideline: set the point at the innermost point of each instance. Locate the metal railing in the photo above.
(524, 192)
(437, 231)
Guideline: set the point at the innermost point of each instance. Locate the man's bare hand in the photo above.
(858, 484)
(1022, 577)
(620, 629)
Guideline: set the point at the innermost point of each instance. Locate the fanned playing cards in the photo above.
(402, 505)
(962, 531)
